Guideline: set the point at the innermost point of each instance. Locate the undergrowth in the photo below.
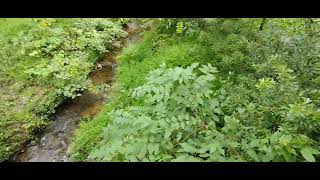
(267, 84)
(44, 61)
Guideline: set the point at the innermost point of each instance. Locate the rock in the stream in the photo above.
(33, 143)
(64, 144)
(125, 34)
(99, 66)
(116, 44)
(43, 141)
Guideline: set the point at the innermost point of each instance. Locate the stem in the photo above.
(185, 138)
(262, 23)
(238, 155)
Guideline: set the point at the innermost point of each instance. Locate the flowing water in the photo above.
(53, 144)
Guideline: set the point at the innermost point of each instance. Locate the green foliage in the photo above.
(121, 21)
(43, 107)
(179, 25)
(44, 61)
(181, 120)
(267, 94)
(87, 137)
(70, 51)
(134, 64)
(44, 21)
(172, 112)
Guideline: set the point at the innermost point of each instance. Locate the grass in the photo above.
(15, 120)
(23, 100)
(134, 64)
(9, 27)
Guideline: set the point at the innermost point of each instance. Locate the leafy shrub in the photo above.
(173, 100)
(179, 25)
(181, 120)
(267, 92)
(45, 106)
(69, 50)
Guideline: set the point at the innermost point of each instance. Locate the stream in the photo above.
(53, 144)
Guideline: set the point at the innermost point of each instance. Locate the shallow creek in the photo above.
(53, 144)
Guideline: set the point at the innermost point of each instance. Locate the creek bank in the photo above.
(53, 144)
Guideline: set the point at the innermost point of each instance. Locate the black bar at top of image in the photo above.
(155, 9)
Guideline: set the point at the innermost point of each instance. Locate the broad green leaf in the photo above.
(188, 148)
(253, 154)
(186, 158)
(307, 153)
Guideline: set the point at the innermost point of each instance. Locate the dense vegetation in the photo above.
(44, 61)
(191, 90)
(253, 94)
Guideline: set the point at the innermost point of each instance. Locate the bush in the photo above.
(181, 120)
(267, 92)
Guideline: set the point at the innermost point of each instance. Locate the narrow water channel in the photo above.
(52, 145)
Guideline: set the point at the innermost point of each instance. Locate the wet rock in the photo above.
(43, 141)
(64, 144)
(117, 44)
(99, 66)
(125, 34)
